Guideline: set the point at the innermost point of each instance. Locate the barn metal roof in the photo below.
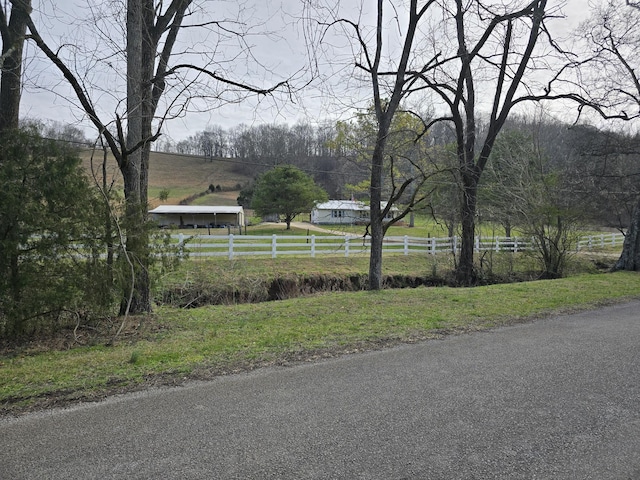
(194, 209)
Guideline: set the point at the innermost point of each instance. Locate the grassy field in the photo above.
(176, 344)
(182, 176)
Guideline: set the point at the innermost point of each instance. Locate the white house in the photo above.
(197, 216)
(346, 212)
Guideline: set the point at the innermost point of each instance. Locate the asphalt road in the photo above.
(558, 398)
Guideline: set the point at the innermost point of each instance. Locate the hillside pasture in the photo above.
(181, 175)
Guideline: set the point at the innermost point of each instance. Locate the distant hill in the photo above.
(183, 175)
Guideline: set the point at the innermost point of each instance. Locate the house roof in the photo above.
(196, 209)
(355, 205)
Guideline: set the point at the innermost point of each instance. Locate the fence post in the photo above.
(515, 244)
(406, 245)
(180, 245)
(231, 247)
(273, 245)
(346, 245)
(477, 243)
(497, 244)
(455, 244)
(432, 249)
(313, 246)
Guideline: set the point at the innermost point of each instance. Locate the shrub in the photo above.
(51, 236)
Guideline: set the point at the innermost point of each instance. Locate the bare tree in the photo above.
(463, 57)
(390, 80)
(528, 187)
(498, 56)
(152, 31)
(613, 34)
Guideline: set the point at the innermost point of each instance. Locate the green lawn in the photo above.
(197, 343)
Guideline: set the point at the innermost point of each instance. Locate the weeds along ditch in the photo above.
(224, 282)
(198, 294)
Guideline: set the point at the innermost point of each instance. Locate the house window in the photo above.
(364, 214)
(336, 214)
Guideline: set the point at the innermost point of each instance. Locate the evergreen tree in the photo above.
(286, 191)
(50, 235)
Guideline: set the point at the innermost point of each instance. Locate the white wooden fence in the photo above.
(232, 246)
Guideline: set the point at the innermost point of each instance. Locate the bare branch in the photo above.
(77, 88)
(220, 78)
(175, 16)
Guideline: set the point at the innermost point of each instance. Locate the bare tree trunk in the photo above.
(465, 272)
(108, 221)
(507, 228)
(137, 243)
(13, 36)
(132, 166)
(148, 44)
(375, 190)
(630, 256)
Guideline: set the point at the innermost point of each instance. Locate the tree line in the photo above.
(598, 165)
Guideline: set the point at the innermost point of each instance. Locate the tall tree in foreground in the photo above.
(463, 57)
(13, 27)
(613, 33)
(390, 79)
(497, 56)
(152, 30)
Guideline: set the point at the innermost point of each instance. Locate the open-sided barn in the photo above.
(198, 216)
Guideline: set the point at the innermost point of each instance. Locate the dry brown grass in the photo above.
(182, 175)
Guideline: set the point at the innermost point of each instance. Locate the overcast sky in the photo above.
(282, 53)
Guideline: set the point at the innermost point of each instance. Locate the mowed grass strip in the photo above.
(202, 342)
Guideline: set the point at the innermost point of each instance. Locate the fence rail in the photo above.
(232, 246)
